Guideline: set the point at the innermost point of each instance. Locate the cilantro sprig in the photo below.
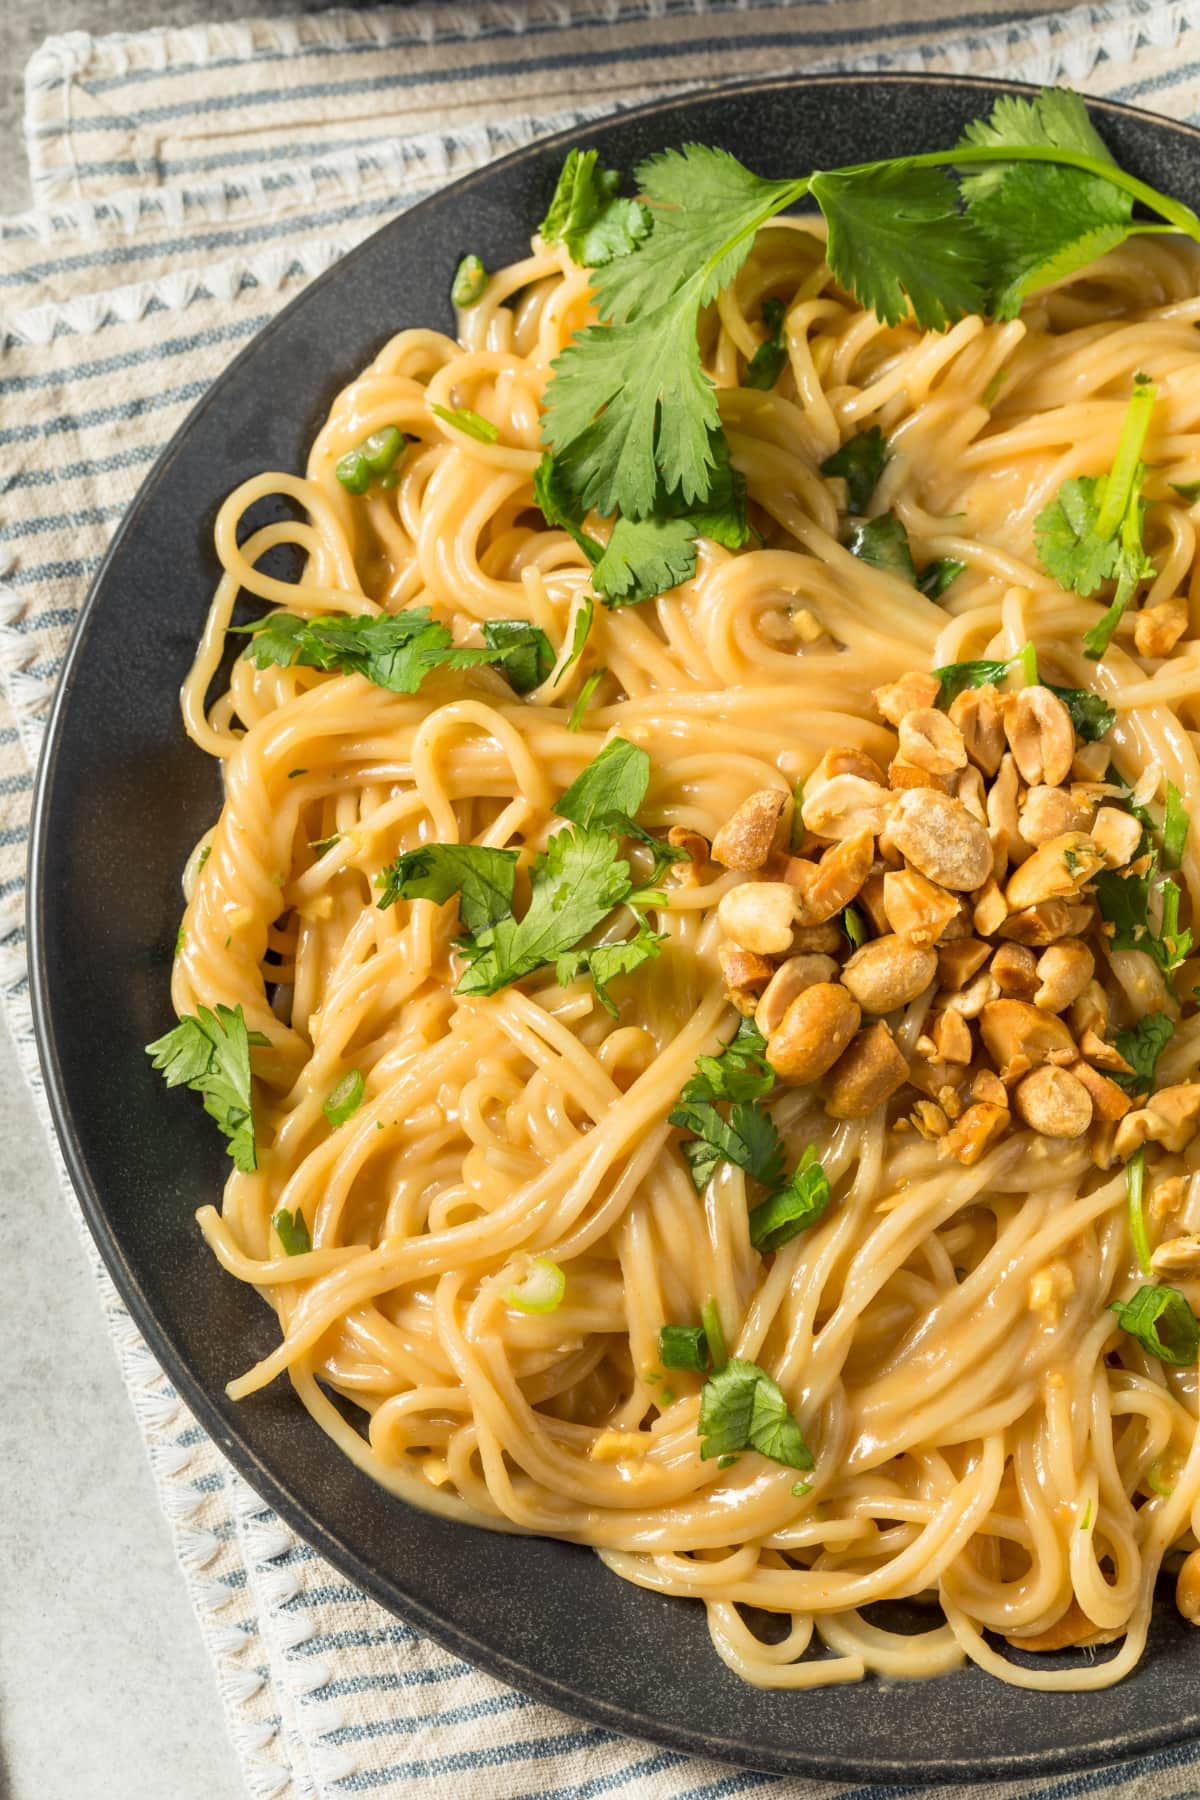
(396, 650)
(743, 1408)
(209, 1051)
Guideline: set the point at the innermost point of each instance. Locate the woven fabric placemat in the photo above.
(187, 185)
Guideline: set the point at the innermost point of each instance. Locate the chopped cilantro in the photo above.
(742, 1408)
(777, 1220)
(291, 1228)
(859, 462)
(1091, 715)
(767, 364)
(883, 543)
(1162, 1322)
(1141, 1047)
(210, 1052)
(588, 215)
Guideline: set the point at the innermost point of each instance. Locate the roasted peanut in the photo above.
(976, 1131)
(1064, 970)
(931, 741)
(1109, 1102)
(687, 874)
(969, 789)
(1018, 1037)
(758, 915)
(1054, 1102)
(974, 997)
(1056, 871)
(1170, 1118)
(1101, 1054)
(1187, 1588)
(988, 1086)
(951, 1037)
(865, 1075)
(916, 689)
(788, 980)
(825, 888)
(1040, 735)
(747, 838)
(1002, 814)
(938, 836)
(1090, 1011)
(889, 972)
(746, 974)
(1047, 923)
(959, 960)
(1090, 761)
(845, 759)
(930, 1120)
(1015, 968)
(991, 909)
(916, 908)
(1157, 629)
(845, 806)
(979, 715)
(823, 938)
(1048, 812)
(813, 1032)
(1116, 835)
(903, 774)
(870, 898)
(1073, 1628)
(1178, 1257)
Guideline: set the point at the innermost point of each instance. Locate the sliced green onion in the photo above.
(472, 423)
(583, 698)
(345, 1099)
(470, 281)
(710, 1318)
(542, 1289)
(800, 1488)
(353, 471)
(683, 1347)
(1027, 656)
(1135, 1181)
(726, 1462)
(381, 449)
(1155, 1480)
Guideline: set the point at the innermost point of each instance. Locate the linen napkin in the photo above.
(187, 184)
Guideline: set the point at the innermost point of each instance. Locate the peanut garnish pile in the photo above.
(970, 865)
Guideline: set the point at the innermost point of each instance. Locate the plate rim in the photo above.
(233, 1443)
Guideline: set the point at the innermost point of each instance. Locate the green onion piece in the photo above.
(1162, 1322)
(800, 1488)
(353, 471)
(683, 1347)
(854, 926)
(1174, 828)
(380, 450)
(666, 1398)
(1027, 656)
(473, 424)
(726, 1462)
(1156, 1482)
(1135, 1179)
(1087, 1517)
(542, 1289)
(345, 1099)
(710, 1318)
(470, 281)
(179, 940)
(583, 698)
(291, 1228)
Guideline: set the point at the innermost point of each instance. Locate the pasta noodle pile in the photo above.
(1019, 1466)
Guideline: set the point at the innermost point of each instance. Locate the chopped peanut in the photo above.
(991, 909)
(845, 759)
(1116, 835)
(971, 1002)
(1170, 1118)
(1049, 1289)
(865, 1075)
(1064, 970)
(825, 938)
(1002, 813)
(1054, 1102)
(975, 1132)
(871, 900)
(979, 715)
(745, 973)
(1157, 629)
(937, 835)
(952, 1038)
(1102, 1055)
(813, 1032)
(1015, 968)
(1040, 735)
(1018, 1037)
(1090, 1011)
(1056, 871)
(822, 889)
(959, 960)
(916, 908)
(845, 806)
(969, 789)
(680, 838)
(759, 915)
(1109, 1102)
(1046, 923)
(930, 1120)
(889, 972)
(746, 840)
(916, 689)
(1090, 762)
(1048, 812)
(788, 980)
(1179, 1257)
(988, 1086)
(931, 741)
(903, 774)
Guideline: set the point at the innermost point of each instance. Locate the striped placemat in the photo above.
(187, 184)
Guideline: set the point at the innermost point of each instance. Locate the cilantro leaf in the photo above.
(937, 576)
(1041, 221)
(781, 1217)
(524, 652)
(897, 237)
(559, 506)
(574, 885)
(481, 877)
(883, 542)
(612, 786)
(860, 462)
(604, 962)
(1162, 1322)
(645, 557)
(739, 1071)
(766, 365)
(749, 1138)
(1124, 901)
(1091, 715)
(291, 1228)
(955, 678)
(1141, 1049)
(742, 1408)
(588, 215)
(210, 1052)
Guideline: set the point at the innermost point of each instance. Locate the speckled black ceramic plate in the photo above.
(122, 798)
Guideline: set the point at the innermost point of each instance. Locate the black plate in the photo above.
(122, 797)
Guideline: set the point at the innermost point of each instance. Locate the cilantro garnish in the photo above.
(523, 651)
(604, 962)
(883, 542)
(742, 1408)
(766, 365)
(1092, 531)
(587, 214)
(1162, 1322)
(1091, 715)
(1124, 900)
(936, 577)
(1141, 1047)
(482, 878)
(612, 786)
(291, 1228)
(645, 557)
(210, 1052)
(583, 698)
(955, 678)
(794, 1208)
(860, 462)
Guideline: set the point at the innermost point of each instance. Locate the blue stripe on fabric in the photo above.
(39, 620)
(495, 1756)
(452, 1715)
(131, 359)
(88, 515)
(355, 1639)
(69, 569)
(1154, 84)
(391, 1682)
(137, 408)
(15, 784)
(597, 1785)
(575, 59)
(80, 471)
(13, 834)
